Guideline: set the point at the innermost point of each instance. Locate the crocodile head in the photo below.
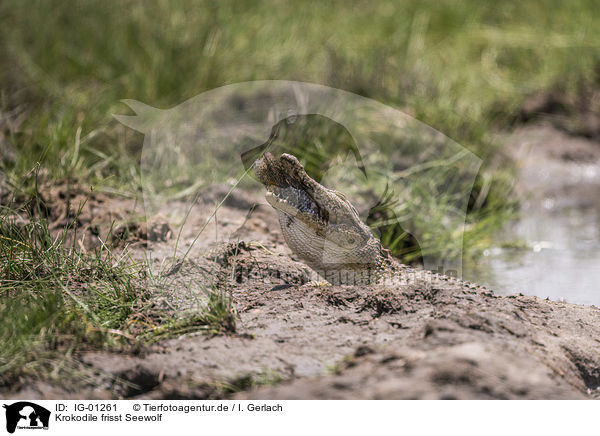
(320, 225)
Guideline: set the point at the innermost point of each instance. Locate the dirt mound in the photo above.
(298, 338)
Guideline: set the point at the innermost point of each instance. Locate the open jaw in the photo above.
(319, 225)
(290, 190)
(296, 203)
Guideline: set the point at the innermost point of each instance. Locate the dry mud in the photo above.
(297, 339)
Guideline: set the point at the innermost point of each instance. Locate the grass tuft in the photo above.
(56, 301)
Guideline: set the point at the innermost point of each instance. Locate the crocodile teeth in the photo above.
(280, 204)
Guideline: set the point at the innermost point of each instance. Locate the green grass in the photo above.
(457, 67)
(463, 68)
(56, 301)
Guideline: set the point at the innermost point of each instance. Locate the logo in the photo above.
(408, 181)
(26, 415)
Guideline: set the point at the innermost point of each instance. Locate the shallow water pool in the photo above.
(559, 223)
(561, 261)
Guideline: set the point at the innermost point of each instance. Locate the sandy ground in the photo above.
(297, 339)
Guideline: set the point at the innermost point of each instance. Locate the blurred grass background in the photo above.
(464, 68)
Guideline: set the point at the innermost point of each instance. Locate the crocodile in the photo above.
(325, 231)
(321, 226)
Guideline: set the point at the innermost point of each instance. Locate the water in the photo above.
(559, 225)
(561, 261)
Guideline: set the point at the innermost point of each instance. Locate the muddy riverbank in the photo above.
(296, 339)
